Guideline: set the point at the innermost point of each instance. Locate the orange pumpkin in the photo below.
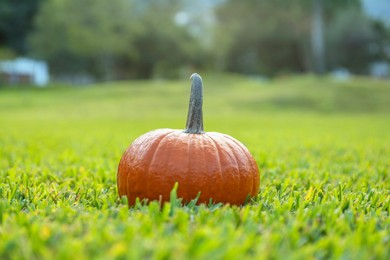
(214, 164)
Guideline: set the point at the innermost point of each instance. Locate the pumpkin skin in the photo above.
(214, 164)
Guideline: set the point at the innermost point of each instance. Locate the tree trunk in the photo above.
(317, 37)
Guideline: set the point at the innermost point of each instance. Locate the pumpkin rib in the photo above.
(188, 166)
(218, 158)
(255, 174)
(139, 160)
(237, 170)
(235, 156)
(218, 147)
(173, 149)
(128, 159)
(213, 168)
(147, 178)
(123, 161)
(198, 168)
(253, 165)
(143, 153)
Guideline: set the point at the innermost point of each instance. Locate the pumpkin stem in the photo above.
(195, 114)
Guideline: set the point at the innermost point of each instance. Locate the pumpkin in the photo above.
(214, 164)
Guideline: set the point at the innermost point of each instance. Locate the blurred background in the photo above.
(87, 41)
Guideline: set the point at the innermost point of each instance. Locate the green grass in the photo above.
(322, 147)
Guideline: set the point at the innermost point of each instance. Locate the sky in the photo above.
(378, 9)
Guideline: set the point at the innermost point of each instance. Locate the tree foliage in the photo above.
(112, 39)
(354, 41)
(119, 39)
(263, 36)
(16, 22)
(273, 36)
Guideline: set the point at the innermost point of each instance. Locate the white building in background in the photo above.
(24, 71)
(380, 69)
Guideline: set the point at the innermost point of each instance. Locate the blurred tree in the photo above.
(356, 41)
(16, 22)
(264, 37)
(113, 39)
(274, 36)
(144, 38)
(163, 46)
(6, 54)
(83, 36)
(320, 8)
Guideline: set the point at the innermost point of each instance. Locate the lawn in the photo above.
(322, 147)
